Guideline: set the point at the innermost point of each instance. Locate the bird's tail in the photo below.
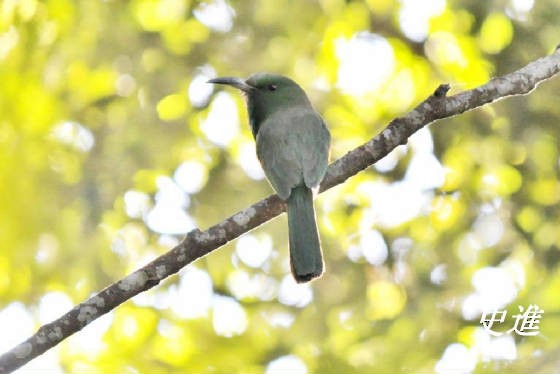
(305, 249)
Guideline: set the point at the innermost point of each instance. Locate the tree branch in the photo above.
(199, 243)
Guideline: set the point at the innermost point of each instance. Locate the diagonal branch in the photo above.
(199, 243)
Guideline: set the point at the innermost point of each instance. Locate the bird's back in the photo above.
(293, 147)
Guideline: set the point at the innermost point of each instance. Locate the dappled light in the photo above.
(414, 17)
(494, 289)
(228, 317)
(192, 302)
(254, 251)
(222, 124)
(366, 62)
(290, 363)
(114, 146)
(294, 294)
(168, 215)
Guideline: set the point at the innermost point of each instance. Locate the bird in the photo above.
(292, 145)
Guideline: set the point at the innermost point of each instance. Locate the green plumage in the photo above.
(306, 259)
(293, 148)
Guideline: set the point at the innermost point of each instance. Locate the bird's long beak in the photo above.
(234, 82)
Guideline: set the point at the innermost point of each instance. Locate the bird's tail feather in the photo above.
(305, 248)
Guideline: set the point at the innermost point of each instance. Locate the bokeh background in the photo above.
(112, 146)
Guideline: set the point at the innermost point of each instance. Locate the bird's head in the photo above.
(266, 93)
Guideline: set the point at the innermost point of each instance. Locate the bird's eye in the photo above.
(272, 87)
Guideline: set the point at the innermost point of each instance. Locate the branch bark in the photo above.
(199, 243)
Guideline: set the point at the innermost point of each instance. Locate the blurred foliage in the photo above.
(103, 102)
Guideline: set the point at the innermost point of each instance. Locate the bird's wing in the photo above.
(315, 139)
(275, 150)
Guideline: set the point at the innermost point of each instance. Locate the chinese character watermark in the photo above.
(526, 322)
